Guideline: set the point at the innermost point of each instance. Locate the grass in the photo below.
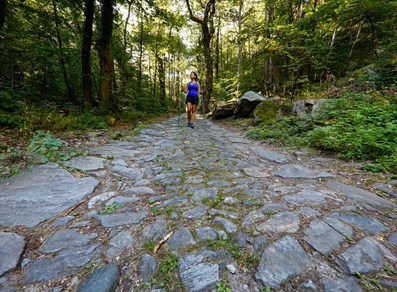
(111, 208)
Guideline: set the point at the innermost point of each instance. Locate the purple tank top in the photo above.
(193, 89)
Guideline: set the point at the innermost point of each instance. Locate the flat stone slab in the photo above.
(229, 226)
(389, 187)
(147, 267)
(66, 238)
(365, 223)
(281, 222)
(85, 163)
(113, 150)
(204, 193)
(306, 197)
(282, 260)
(66, 263)
(270, 155)
(322, 237)
(181, 239)
(196, 212)
(366, 256)
(121, 219)
(157, 230)
(11, 248)
(41, 193)
(299, 171)
(361, 196)
(344, 284)
(103, 279)
(119, 243)
(256, 172)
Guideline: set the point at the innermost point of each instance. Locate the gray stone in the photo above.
(85, 223)
(196, 213)
(342, 228)
(205, 233)
(252, 218)
(113, 151)
(41, 193)
(62, 221)
(201, 277)
(95, 201)
(181, 239)
(299, 171)
(322, 237)
(229, 226)
(256, 172)
(66, 238)
(270, 155)
(202, 194)
(85, 163)
(389, 187)
(231, 215)
(341, 285)
(122, 200)
(198, 272)
(171, 202)
(103, 279)
(232, 269)
(393, 238)
(242, 239)
(366, 256)
(308, 286)
(66, 263)
(282, 260)
(361, 196)
(309, 212)
(311, 107)
(140, 191)
(306, 197)
(274, 207)
(247, 103)
(157, 230)
(259, 244)
(119, 243)
(218, 183)
(231, 201)
(147, 267)
(11, 248)
(365, 223)
(135, 174)
(224, 109)
(121, 219)
(254, 193)
(283, 222)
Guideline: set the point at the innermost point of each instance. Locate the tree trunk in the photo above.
(124, 58)
(140, 50)
(161, 69)
(71, 96)
(86, 53)
(240, 12)
(207, 33)
(217, 49)
(106, 55)
(3, 12)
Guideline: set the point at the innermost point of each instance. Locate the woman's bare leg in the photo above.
(193, 115)
(189, 112)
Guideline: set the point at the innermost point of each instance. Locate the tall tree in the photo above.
(86, 52)
(3, 7)
(207, 30)
(71, 96)
(106, 59)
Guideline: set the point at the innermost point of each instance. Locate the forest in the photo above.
(69, 65)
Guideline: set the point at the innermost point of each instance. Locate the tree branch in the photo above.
(192, 17)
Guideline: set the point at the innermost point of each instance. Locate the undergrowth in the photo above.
(357, 127)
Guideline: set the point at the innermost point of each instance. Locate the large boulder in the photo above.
(247, 103)
(310, 107)
(224, 109)
(266, 112)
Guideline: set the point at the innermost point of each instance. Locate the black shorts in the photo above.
(192, 99)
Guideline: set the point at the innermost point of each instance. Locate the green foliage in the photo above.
(7, 102)
(111, 208)
(52, 149)
(222, 287)
(360, 127)
(228, 244)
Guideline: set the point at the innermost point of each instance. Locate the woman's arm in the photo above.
(184, 88)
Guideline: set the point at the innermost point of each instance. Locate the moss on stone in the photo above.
(266, 112)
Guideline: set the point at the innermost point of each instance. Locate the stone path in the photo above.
(183, 209)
